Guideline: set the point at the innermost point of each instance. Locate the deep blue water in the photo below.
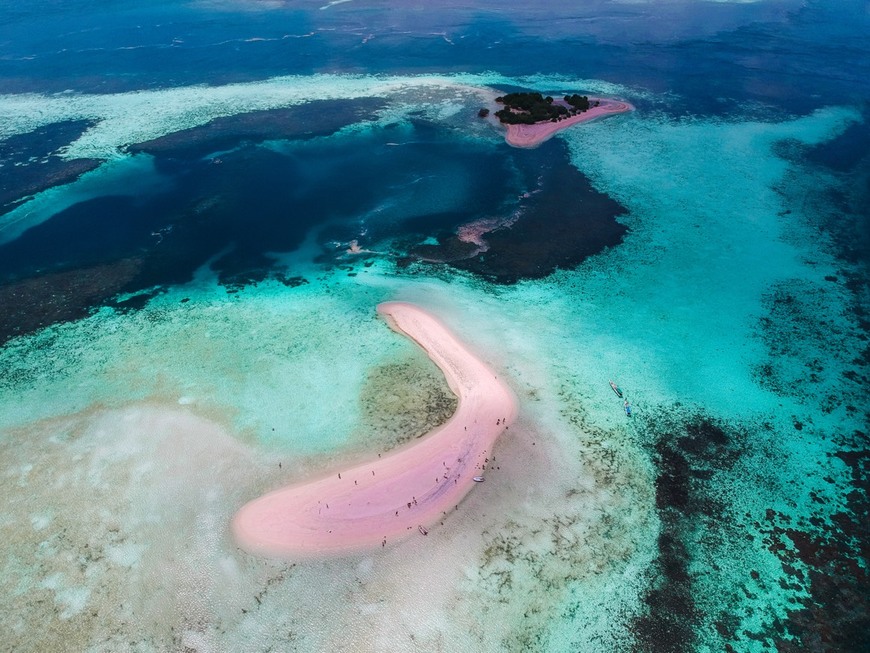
(721, 59)
(253, 200)
(785, 53)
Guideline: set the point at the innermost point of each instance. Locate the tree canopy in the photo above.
(531, 108)
(580, 102)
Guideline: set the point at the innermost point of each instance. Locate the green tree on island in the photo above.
(531, 108)
(579, 102)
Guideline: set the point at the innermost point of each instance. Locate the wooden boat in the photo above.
(627, 407)
(423, 531)
(616, 389)
(478, 479)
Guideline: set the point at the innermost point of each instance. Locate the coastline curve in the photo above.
(407, 490)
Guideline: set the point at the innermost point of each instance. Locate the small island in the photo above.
(532, 118)
(531, 108)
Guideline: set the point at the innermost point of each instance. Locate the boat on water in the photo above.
(627, 407)
(478, 479)
(423, 530)
(616, 389)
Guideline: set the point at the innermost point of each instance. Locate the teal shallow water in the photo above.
(717, 315)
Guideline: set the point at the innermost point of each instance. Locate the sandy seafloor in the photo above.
(728, 513)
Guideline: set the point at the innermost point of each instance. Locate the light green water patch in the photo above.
(286, 366)
(402, 400)
(683, 291)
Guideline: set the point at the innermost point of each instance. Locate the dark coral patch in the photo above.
(558, 226)
(811, 347)
(40, 301)
(308, 120)
(688, 453)
(669, 625)
(836, 615)
(31, 162)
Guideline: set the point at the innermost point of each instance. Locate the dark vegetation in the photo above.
(531, 108)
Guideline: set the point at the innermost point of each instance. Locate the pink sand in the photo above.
(390, 498)
(532, 135)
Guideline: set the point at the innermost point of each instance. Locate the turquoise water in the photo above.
(185, 327)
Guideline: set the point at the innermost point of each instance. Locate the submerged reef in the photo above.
(802, 583)
(557, 225)
(309, 120)
(43, 300)
(402, 401)
(835, 615)
(31, 162)
(226, 211)
(688, 453)
(810, 345)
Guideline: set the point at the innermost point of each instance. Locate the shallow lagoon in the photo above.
(729, 313)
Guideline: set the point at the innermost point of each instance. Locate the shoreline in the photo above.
(406, 491)
(533, 135)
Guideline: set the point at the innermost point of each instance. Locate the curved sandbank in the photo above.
(385, 500)
(533, 135)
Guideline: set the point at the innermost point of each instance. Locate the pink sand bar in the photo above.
(533, 135)
(404, 492)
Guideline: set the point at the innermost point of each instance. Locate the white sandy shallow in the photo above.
(403, 493)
